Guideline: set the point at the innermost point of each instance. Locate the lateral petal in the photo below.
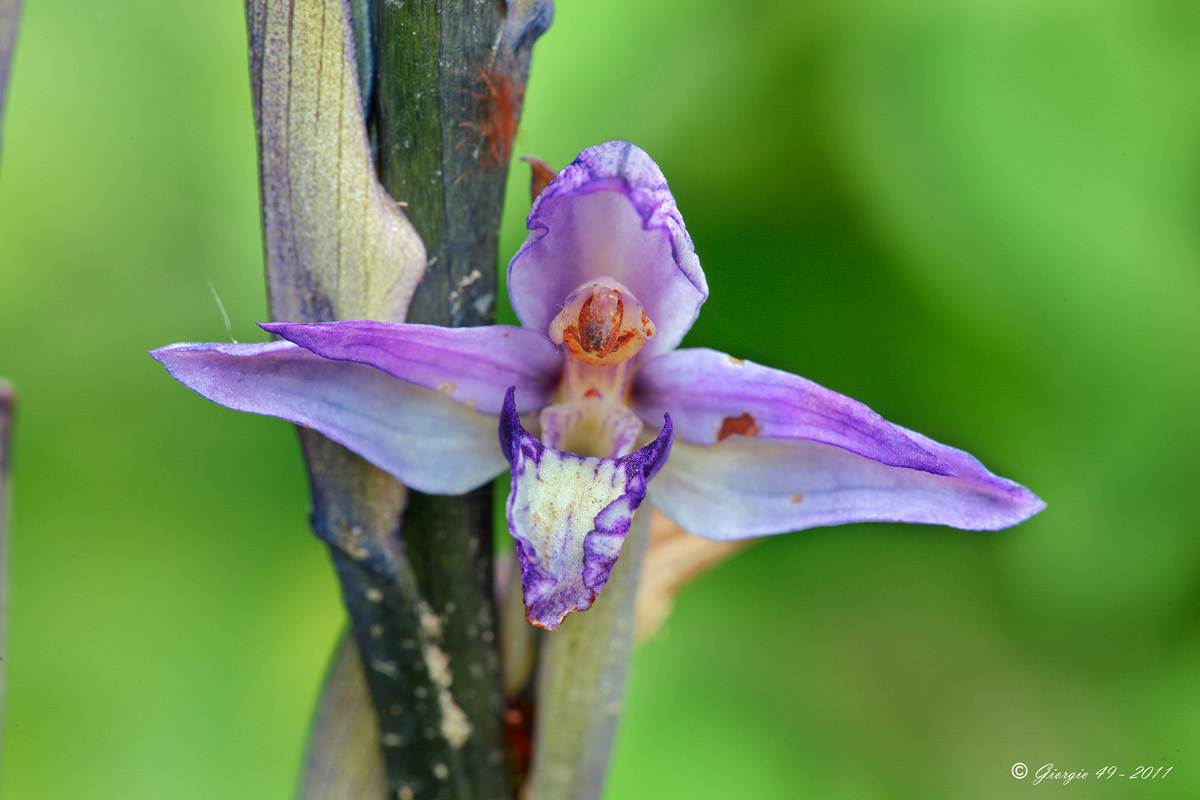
(473, 366)
(569, 516)
(752, 486)
(712, 395)
(418, 435)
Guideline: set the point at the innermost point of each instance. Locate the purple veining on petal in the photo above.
(609, 212)
(473, 366)
(711, 395)
(753, 486)
(569, 515)
(418, 435)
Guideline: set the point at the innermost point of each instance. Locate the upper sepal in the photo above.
(569, 515)
(611, 213)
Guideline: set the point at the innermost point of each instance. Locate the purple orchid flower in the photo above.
(605, 286)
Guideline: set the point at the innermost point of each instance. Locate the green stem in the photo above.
(581, 683)
(416, 572)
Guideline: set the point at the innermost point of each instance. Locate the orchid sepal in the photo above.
(609, 212)
(758, 486)
(418, 435)
(713, 395)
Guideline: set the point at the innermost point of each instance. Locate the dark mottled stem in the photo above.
(423, 620)
(436, 741)
(447, 94)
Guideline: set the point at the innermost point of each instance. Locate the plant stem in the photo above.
(437, 741)
(581, 683)
(446, 97)
(444, 89)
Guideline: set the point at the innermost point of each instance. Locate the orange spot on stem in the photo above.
(502, 111)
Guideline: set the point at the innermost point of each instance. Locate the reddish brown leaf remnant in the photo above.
(518, 722)
(504, 98)
(541, 174)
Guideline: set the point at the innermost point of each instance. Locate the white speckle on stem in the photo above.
(385, 668)
(431, 624)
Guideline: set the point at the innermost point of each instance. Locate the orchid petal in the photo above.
(752, 486)
(473, 366)
(609, 213)
(417, 435)
(569, 515)
(712, 395)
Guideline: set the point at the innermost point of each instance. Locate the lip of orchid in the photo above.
(570, 514)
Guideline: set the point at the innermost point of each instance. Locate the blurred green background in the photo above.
(978, 218)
